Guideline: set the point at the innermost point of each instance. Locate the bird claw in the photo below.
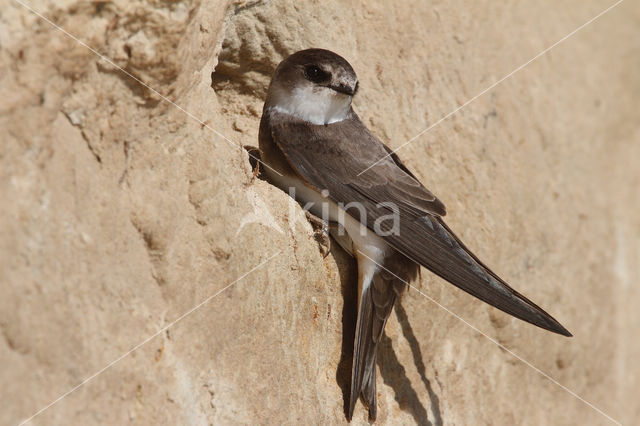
(320, 233)
(255, 161)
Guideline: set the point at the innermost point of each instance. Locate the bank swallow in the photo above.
(315, 147)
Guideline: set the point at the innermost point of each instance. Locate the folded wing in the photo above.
(332, 158)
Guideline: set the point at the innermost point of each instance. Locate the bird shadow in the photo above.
(394, 374)
(392, 371)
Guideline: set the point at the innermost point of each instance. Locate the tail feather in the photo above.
(375, 304)
(363, 350)
(368, 390)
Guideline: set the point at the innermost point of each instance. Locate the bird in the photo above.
(316, 148)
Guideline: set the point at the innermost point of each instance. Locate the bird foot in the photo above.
(255, 161)
(321, 233)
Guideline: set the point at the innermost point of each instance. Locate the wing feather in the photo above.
(331, 157)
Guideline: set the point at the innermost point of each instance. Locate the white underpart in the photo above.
(317, 105)
(369, 248)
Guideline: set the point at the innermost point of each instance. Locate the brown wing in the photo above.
(331, 157)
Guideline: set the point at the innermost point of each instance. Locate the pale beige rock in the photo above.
(121, 212)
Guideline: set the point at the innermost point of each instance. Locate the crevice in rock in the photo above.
(95, 154)
(244, 65)
(93, 151)
(8, 340)
(144, 97)
(196, 203)
(155, 249)
(125, 173)
(246, 6)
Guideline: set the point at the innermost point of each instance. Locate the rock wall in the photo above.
(127, 204)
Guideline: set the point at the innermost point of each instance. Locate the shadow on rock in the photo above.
(407, 332)
(394, 375)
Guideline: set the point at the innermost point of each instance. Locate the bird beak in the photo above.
(345, 88)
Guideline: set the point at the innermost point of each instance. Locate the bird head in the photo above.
(314, 85)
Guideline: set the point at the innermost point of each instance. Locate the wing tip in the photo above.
(352, 406)
(545, 321)
(557, 328)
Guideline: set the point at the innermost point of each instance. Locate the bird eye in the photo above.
(315, 74)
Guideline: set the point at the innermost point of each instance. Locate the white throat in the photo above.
(317, 105)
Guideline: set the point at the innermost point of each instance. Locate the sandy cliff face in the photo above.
(125, 205)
